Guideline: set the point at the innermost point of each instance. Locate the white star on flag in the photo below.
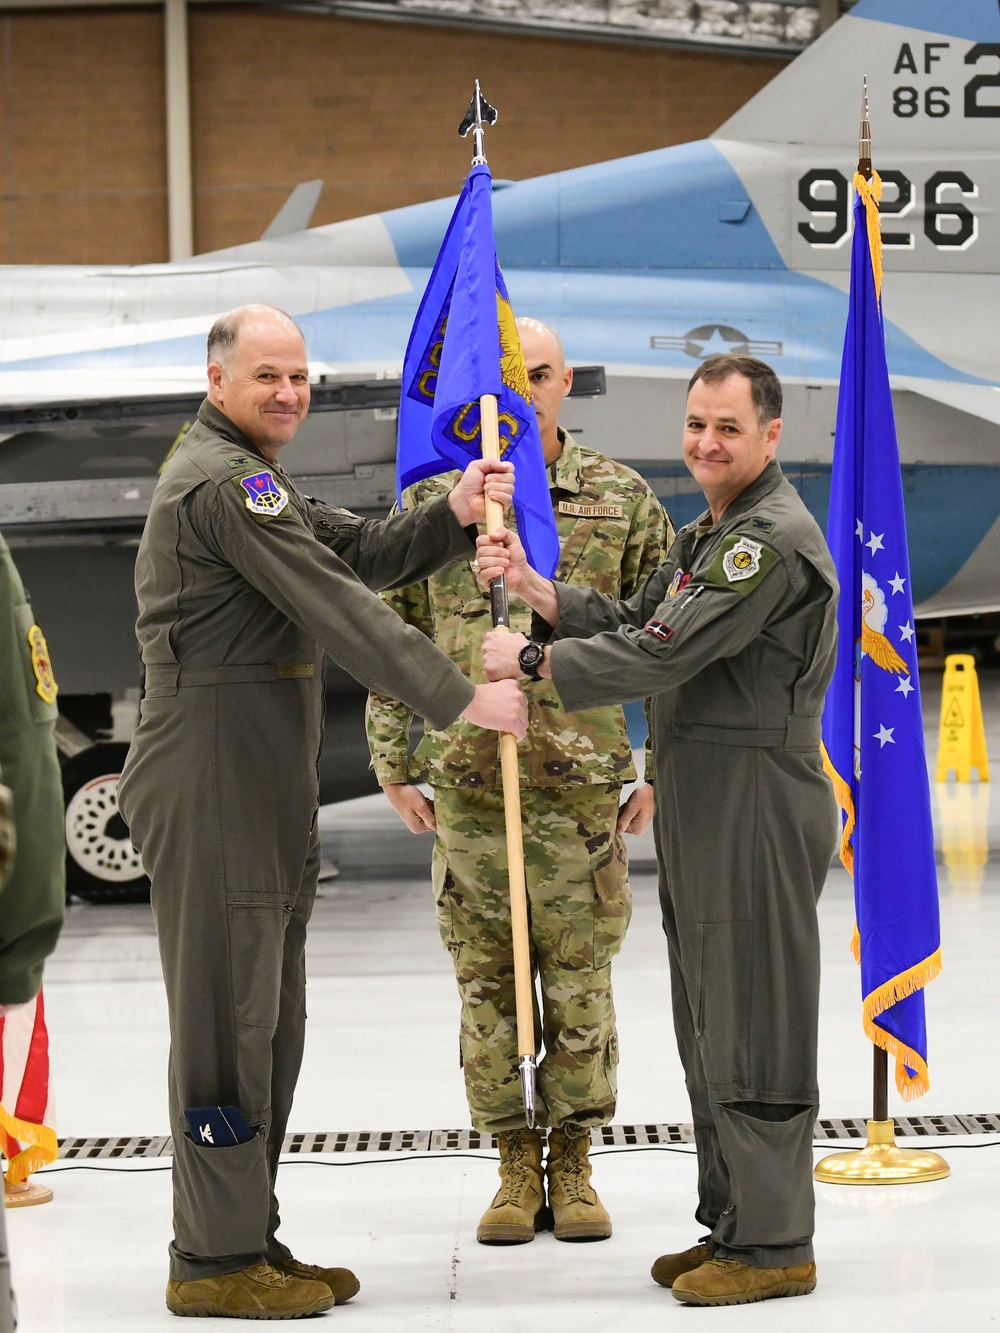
(906, 631)
(897, 583)
(860, 531)
(884, 735)
(876, 542)
(904, 687)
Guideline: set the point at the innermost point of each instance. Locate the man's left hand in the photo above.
(500, 650)
(636, 814)
(484, 477)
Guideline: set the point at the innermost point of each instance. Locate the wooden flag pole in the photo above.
(524, 991)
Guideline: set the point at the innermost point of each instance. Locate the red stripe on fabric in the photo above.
(33, 1098)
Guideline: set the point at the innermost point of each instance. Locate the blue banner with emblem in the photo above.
(873, 735)
(464, 343)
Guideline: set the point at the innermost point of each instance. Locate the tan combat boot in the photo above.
(258, 1292)
(518, 1207)
(669, 1267)
(578, 1212)
(728, 1282)
(341, 1281)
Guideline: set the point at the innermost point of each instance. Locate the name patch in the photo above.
(264, 495)
(658, 630)
(591, 511)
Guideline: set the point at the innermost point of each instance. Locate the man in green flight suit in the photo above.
(734, 638)
(612, 532)
(242, 585)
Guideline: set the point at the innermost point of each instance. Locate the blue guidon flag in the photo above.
(873, 736)
(464, 343)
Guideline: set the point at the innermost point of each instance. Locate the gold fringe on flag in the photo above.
(43, 1147)
(891, 992)
(913, 979)
(845, 800)
(871, 193)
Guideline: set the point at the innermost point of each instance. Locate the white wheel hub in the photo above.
(105, 855)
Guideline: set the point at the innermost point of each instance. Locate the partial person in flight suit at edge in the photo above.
(242, 585)
(734, 637)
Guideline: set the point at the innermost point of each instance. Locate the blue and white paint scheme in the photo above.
(646, 265)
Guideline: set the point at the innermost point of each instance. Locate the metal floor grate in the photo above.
(469, 1140)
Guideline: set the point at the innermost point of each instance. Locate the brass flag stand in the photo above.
(481, 112)
(880, 1162)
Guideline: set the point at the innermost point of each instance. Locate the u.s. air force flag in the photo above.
(464, 344)
(873, 734)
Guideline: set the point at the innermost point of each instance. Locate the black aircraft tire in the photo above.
(101, 863)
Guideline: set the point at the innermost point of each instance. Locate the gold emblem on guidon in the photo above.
(45, 687)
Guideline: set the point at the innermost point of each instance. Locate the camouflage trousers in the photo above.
(579, 904)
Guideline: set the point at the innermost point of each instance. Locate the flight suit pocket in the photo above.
(224, 1198)
(724, 985)
(257, 925)
(41, 682)
(612, 901)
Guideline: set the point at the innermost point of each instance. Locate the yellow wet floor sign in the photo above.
(962, 739)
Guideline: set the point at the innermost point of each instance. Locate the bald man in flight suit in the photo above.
(242, 585)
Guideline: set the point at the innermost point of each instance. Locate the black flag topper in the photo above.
(480, 113)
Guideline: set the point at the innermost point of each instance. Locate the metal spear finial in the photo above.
(865, 136)
(479, 114)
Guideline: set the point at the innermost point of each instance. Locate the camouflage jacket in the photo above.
(612, 532)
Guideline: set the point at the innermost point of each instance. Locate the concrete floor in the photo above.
(381, 1054)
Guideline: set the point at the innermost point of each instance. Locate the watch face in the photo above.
(530, 656)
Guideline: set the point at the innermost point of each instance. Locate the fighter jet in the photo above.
(645, 265)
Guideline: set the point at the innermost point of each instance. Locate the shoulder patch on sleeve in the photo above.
(263, 495)
(741, 563)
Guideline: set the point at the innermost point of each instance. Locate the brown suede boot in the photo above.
(258, 1292)
(341, 1281)
(728, 1282)
(518, 1207)
(669, 1267)
(578, 1212)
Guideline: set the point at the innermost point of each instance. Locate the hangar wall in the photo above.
(279, 97)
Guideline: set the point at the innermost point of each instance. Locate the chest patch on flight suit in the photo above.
(741, 563)
(658, 630)
(591, 511)
(45, 682)
(678, 583)
(263, 494)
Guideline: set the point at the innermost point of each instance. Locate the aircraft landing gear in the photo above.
(101, 863)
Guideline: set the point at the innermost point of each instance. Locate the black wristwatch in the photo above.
(529, 659)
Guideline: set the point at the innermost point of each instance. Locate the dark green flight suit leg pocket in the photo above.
(770, 1219)
(223, 1196)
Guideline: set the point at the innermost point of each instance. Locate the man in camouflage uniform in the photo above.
(612, 532)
